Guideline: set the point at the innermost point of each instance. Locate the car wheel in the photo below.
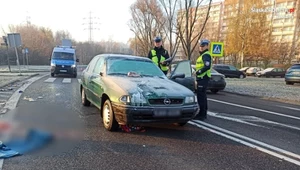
(242, 76)
(289, 83)
(52, 74)
(108, 117)
(75, 75)
(84, 100)
(215, 91)
(181, 124)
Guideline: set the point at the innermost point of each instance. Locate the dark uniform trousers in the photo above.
(201, 96)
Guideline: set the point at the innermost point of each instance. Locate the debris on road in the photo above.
(128, 128)
(3, 110)
(29, 99)
(40, 97)
(20, 91)
(58, 94)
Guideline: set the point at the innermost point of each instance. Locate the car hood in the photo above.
(151, 87)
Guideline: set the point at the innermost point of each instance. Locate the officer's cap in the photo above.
(204, 42)
(157, 39)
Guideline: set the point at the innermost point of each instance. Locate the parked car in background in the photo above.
(253, 70)
(271, 72)
(216, 83)
(292, 75)
(133, 90)
(244, 69)
(229, 71)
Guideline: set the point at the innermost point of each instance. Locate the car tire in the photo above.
(181, 124)
(52, 74)
(214, 91)
(75, 75)
(241, 76)
(84, 100)
(108, 117)
(289, 83)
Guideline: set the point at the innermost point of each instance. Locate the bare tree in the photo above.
(60, 35)
(144, 23)
(189, 30)
(170, 8)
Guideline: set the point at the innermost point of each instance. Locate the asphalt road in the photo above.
(260, 135)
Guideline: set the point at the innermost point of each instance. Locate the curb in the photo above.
(14, 81)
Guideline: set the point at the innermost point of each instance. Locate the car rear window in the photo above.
(296, 66)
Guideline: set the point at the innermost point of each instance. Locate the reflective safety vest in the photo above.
(200, 65)
(155, 60)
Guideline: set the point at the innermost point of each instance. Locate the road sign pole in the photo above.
(16, 50)
(8, 58)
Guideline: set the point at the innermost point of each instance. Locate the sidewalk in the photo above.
(31, 68)
(10, 78)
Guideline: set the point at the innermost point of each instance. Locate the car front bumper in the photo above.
(63, 70)
(125, 114)
(216, 85)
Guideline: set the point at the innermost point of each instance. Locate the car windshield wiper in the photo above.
(148, 75)
(122, 74)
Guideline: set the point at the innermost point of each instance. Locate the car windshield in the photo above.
(120, 66)
(268, 69)
(63, 56)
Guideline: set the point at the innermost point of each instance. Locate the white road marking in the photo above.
(66, 80)
(50, 80)
(79, 81)
(223, 116)
(247, 119)
(13, 101)
(222, 132)
(256, 109)
(291, 108)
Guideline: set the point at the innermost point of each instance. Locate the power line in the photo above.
(92, 24)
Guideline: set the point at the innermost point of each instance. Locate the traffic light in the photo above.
(5, 40)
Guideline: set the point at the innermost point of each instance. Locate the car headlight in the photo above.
(125, 99)
(137, 98)
(53, 65)
(190, 99)
(73, 66)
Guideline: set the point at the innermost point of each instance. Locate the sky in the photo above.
(112, 15)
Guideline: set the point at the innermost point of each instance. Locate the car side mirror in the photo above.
(101, 74)
(77, 60)
(49, 59)
(175, 76)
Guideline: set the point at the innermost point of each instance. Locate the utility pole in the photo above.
(91, 26)
(6, 44)
(28, 19)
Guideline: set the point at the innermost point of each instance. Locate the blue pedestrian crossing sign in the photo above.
(216, 49)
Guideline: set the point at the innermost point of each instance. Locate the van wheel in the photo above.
(52, 74)
(75, 75)
(108, 117)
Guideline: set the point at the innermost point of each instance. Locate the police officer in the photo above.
(203, 72)
(159, 55)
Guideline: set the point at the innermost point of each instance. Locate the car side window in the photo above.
(92, 64)
(226, 68)
(232, 68)
(99, 65)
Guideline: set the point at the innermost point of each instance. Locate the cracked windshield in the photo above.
(150, 84)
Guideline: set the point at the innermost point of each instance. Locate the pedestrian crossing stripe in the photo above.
(65, 80)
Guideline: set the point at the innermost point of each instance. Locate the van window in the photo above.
(63, 56)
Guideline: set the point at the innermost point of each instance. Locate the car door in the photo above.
(96, 83)
(88, 75)
(182, 74)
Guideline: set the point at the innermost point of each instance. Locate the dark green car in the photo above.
(133, 90)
